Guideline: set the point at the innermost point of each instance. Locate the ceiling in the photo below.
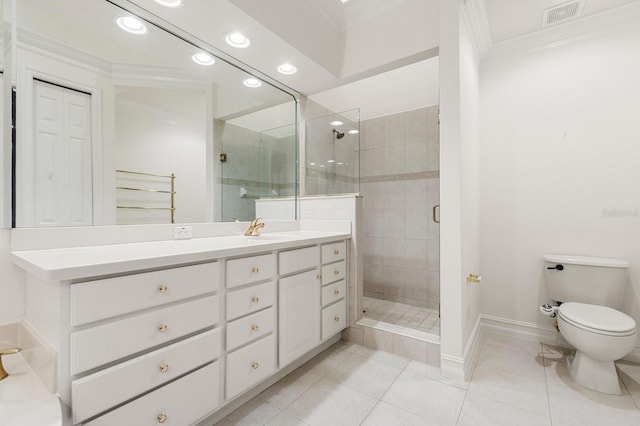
(343, 51)
(513, 18)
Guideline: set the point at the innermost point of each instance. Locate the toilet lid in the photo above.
(597, 317)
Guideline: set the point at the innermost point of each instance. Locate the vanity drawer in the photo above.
(250, 269)
(250, 299)
(98, 392)
(182, 402)
(250, 328)
(298, 260)
(334, 319)
(334, 292)
(334, 252)
(333, 272)
(99, 345)
(249, 365)
(96, 300)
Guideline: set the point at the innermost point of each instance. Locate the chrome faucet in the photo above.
(254, 228)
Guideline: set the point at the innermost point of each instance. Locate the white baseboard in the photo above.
(472, 351)
(534, 332)
(461, 368)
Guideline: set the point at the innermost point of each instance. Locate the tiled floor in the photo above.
(422, 319)
(515, 382)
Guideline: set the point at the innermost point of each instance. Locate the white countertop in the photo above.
(67, 264)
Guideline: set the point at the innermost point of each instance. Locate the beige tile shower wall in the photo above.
(400, 186)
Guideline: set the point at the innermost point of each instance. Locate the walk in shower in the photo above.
(400, 189)
(394, 165)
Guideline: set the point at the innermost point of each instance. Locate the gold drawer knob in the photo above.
(336, 292)
(255, 365)
(336, 272)
(162, 418)
(162, 288)
(336, 318)
(255, 299)
(319, 276)
(255, 269)
(164, 368)
(162, 328)
(336, 252)
(254, 327)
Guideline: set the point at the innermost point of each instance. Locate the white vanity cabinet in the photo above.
(299, 303)
(334, 289)
(174, 341)
(251, 315)
(134, 314)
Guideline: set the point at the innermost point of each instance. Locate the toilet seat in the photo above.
(597, 319)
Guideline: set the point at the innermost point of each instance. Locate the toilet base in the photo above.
(600, 376)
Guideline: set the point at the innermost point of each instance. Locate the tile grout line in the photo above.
(546, 381)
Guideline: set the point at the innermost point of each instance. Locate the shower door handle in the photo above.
(436, 209)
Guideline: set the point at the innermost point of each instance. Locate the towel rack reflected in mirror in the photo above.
(150, 189)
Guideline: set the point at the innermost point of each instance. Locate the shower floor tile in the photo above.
(401, 314)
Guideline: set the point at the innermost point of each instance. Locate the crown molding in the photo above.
(47, 47)
(474, 14)
(619, 19)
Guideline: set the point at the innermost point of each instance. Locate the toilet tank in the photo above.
(594, 280)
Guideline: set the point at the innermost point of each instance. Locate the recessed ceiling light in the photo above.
(336, 123)
(331, 161)
(353, 131)
(237, 40)
(252, 82)
(287, 69)
(312, 164)
(344, 1)
(203, 58)
(131, 25)
(170, 3)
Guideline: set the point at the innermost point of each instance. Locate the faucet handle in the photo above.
(3, 372)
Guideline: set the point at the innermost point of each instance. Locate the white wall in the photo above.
(459, 228)
(155, 144)
(11, 288)
(560, 167)
(469, 183)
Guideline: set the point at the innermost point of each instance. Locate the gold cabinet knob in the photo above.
(336, 318)
(164, 368)
(319, 276)
(162, 328)
(336, 252)
(162, 288)
(255, 299)
(336, 292)
(255, 269)
(336, 272)
(254, 327)
(255, 365)
(162, 418)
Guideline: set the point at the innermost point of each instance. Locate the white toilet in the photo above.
(589, 291)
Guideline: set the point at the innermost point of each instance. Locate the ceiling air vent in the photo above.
(562, 13)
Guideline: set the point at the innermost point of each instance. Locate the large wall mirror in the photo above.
(122, 122)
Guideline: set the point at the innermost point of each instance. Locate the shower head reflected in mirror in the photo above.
(339, 135)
